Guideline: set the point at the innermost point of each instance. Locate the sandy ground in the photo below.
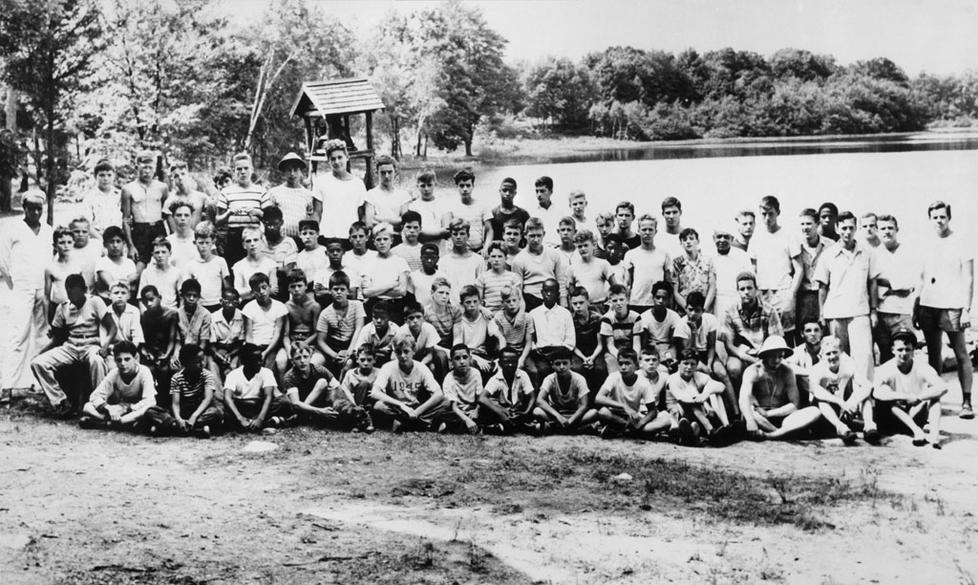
(96, 507)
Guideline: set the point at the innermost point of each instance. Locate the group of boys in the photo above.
(348, 308)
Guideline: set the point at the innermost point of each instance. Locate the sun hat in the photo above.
(775, 343)
(291, 160)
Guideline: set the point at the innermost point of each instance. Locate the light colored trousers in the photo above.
(23, 332)
(47, 364)
(856, 337)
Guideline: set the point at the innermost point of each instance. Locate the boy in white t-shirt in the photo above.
(842, 393)
(264, 319)
(162, 274)
(626, 401)
(253, 263)
(251, 394)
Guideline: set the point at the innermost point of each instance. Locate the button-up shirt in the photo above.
(553, 326)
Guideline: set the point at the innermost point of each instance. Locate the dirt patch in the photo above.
(93, 507)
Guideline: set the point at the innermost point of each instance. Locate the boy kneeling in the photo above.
(563, 400)
(124, 396)
(251, 394)
(406, 391)
(627, 401)
(840, 395)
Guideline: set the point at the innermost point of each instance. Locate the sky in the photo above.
(936, 36)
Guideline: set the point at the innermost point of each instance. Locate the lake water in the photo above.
(898, 175)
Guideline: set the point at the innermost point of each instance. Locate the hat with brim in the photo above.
(904, 334)
(291, 160)
(774, 344)
(146, 156)
(34, 197)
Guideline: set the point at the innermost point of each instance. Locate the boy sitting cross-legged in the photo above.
(426, 338)
(563, 400)
(627, 402)
(841, 393)
(196, 396)
(463, 390)
(251, 394)
(695, 400)
(312, 390)
(353, 396)
(406, 391)
(227, 334)
(510, 393)
(380, 333)
(339, 324)
(124, 396)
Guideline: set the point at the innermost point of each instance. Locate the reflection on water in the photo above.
(764, 147)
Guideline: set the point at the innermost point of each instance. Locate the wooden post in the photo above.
(370, 151)
(310, 139)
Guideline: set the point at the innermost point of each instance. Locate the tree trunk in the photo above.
(10, 108)
(49, 166)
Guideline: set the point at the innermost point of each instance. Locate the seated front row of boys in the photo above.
(641, 399)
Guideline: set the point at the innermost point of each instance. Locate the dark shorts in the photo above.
(806, 308)
(890, 424)
(143, 235)
(948, 320)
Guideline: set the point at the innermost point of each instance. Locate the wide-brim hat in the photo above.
(774, 344)
(291, 160)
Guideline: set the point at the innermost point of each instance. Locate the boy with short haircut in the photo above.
(353, 396)
(476, 216)
(196, 395)
(162, 274)
(692, 271)
(563, 399)
(280, 249)
(387, 202)
(160, 330)
(103, 204)
(647, 264)
(124, 395)
(604, 223)
(300, 324)
(492, 281)
(475, 329)
(512, 240)
(114, 265)
(515, 325)
(185, 193)
(614, 253)
(910, 391)
(429, 208)
(441, 313)
(311, 389)
(587, 342)
(406, 391)
(254, 262)
(420, 281)
(335, 262)
(510, 393)
(380, 333)
(577, 200)
(210, 270)
(264, 319)
(227, 334)
(553, 329)
(805, 356)
(410, 247)
(193, 321)
(87, 250)
(695, 395)
(842, 393)
(57, 270)
(355, 260)
(507, 211)
(239, 206)
(624, 216)
(594, 274)
(660, 325)
(538, 263)
(182, 248)
(617, 325)
(463, 389)
(650, 368)
(127, 320)
(251, 395)
(567, 230)
(545, 211)
(626, 401)
(426, 340)
(461, 266)
(312, 259)
(339, 324)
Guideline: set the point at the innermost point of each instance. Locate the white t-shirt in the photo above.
(773, 253)
(382, 272)
(920, 377)
(183, 251)
(121, 271)
(728, 266)
(649, 267)
(903, 270)
(166, 282)
(661, 333)
(241, 388)
(211, 275)
(594, 276)
(945, 283)
(686, 390)
(387, 203)
(262, 321)
(697, 340)
(313, 263)
(431, 212)
(341, 202)
(835, 382)
(476, 214)
(635, 396)
(243, 270)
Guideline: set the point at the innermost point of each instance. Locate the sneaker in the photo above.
(368, 429)
(872, 436)
(269, 430)
(967, 412)
(442, 428)
(90, 422)
(610, 432)
(203, 432)
(848, 438)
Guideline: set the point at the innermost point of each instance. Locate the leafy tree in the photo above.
(801, 64)
(559, 91)
(883, 69)
(50, 46)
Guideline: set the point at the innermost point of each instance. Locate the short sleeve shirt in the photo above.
(698, 337)
(920, 377)
(773, 253)
(636, 395)
(262, 321)
(305, 383)
(81, 322)
(621, 331)
(409, 388)
(242, 388)
(564, 399)
(339, 327)
(846, 274)
(649, 267)
(341, 203)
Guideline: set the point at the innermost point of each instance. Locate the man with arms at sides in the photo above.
(546, 211)
(946, 292)
(728, 263)
(239, 206)
(910, 391)
(142, 209)
(769, 397)
(507, 210)
(812, 248)
(338, 195)
(777, 259)
(899, 278)
(672, 215)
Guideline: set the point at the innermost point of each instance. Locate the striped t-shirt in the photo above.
(238, 198)
(514, 330)
(339, 327)
(620, 330)
(194, 392)
(490, 285)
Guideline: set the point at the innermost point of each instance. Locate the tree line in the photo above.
(97, 77)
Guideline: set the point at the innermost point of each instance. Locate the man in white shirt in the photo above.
(728, 262)
(338, 195)
(386, 202)
(946, 292)
(777, 260)
(547, 212)
(898, 281)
